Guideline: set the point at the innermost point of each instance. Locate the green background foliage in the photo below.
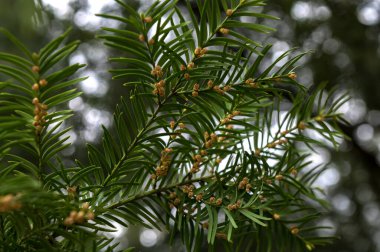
(104, 165)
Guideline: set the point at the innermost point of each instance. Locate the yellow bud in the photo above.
(190, 65)
(292, 76)
(68, 221)
(181, 125)
(148, 19)
(80, 217)
(302, 125)
(210, 83)
(279, 177)
(35, 101)
(90, 215)
(224, 31)
(197, 51)
(294, 230)
(43, 82)
(35, 69)
(86, 205)
(35, 87)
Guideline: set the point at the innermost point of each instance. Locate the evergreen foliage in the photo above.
(208, 144)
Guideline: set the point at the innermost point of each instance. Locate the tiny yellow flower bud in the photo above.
(292, 76)
(177, 201)
(73, 214)
(172, 195)
(172, 124)
(161, 92)
(285, 132)
(230, 207)
(80, 217)
(249, 81)
(35, 69)
(190, 65)
(43, 83)
(218, 90)
(168, 150)
(199, 197)
(141, 37)
(7, 199)
(35, 101)
(214, 137)
(293, 171)
(197, 51)
(44, 106)
(276, 216)
(85, 205)
(210, 83)
(196, 87)
(319, 118)
(226, 88)
(241, 185)
(248, 187)
(71, 189)
(257, 152)
(181, 125)
(294, 230)
(229, 12)
(35, 87)
(198, 158)
(68, 221)
(148, 19)
(279, 177)
(302, 125)
(235, 112)
(190, 194)
(224, 31)
(206, 136)
(219, 201)
(90, 215)
(271, 145)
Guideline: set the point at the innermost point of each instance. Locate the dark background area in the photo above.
(344, 36)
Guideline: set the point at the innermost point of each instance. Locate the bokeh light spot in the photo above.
(365, 132)
(148, 238)
(368, 14)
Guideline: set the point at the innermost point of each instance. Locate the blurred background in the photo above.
(344, 36)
